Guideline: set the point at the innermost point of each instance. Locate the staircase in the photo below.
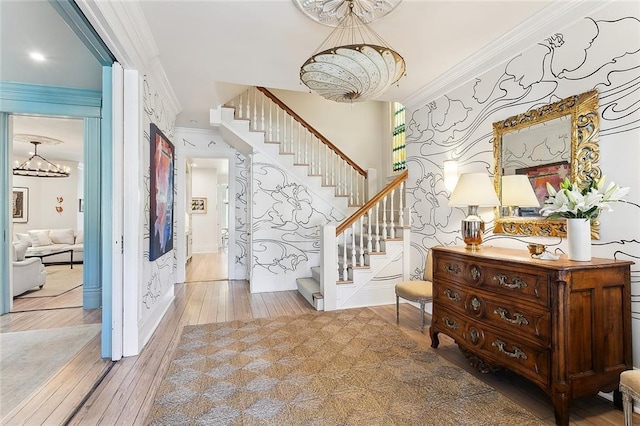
(363, 256)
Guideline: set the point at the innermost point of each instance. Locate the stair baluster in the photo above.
(353, 245)
(384, 218)
(378, 228)
(361, 252)
(345, 275)
(369, 236)
(392, 228)
(401, 206)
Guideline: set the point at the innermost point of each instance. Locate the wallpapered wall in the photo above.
(287, 219)
(601, 51)
(158, 276)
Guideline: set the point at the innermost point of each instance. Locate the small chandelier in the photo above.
(38, 166)
(347, 68)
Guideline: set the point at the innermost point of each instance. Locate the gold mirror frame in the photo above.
(585, 153)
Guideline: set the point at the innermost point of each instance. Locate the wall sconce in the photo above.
(473, 190)
(517, 192)
(450, 174)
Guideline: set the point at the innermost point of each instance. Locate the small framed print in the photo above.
(199, 205)
(20, 205)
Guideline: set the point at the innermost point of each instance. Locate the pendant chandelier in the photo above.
(353, 63)
(38, 166)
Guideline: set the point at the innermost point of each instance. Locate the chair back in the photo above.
(428, 267)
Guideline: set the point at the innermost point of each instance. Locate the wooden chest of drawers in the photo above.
(564, 325)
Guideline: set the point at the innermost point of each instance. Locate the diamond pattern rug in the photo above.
(346, 367)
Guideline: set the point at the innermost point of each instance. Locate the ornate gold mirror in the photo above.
(546, 144)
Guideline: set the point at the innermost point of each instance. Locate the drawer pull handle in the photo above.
(517, 352)
(452, 324)
(452, 269)
(518, 318)
(452, 295)
(516, 282)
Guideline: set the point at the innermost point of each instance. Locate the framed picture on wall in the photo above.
(199, 205)
(20, 205)
(161, 194)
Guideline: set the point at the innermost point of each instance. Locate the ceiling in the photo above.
(210, 49)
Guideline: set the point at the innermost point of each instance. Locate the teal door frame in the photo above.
(20, 98)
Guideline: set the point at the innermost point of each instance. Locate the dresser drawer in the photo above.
(520, 282)
(496, 347)
(524, 321)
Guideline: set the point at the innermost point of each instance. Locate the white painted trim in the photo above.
(117, 131)
(538, 27)
(125, 31)
(149, 327)
(132, 223)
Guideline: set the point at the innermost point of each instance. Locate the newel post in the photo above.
(328, 267)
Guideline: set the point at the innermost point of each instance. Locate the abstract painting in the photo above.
(161, 203)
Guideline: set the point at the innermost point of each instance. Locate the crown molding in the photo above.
(124, 29)
(548, 21)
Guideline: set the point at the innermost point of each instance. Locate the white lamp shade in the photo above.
(517, 191)
(474, 189)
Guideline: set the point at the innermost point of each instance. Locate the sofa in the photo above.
(28, 273)
(40, 240)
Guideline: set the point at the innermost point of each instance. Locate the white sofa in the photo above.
(42, 240)
(28, 273)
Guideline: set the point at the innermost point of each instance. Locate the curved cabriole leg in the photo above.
(434, 337)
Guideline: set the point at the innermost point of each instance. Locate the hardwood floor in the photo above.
(126, 393)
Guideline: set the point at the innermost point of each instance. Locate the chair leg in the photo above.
(627, 407)
(397, 310)
(421, 317)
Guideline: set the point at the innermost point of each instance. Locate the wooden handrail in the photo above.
(362, 210)
(310, 128)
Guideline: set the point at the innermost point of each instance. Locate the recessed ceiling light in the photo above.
(37, 56)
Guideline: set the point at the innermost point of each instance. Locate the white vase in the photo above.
(579, 239)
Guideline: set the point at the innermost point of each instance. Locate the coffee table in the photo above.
(45, 252)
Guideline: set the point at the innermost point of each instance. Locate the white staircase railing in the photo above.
(361, 236)
(266, 113)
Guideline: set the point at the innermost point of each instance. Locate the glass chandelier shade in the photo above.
(38, 166)
(353, 64)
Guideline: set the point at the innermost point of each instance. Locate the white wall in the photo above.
(205, 232)
(599, 51)
(43, 193)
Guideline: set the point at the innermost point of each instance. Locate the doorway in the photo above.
(207, 219)
(52, 206)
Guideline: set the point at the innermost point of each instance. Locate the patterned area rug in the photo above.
(335, 368)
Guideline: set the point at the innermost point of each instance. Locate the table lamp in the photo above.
(473, 190)
(517, 192)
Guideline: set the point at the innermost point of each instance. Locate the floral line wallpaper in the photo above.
(595, 52)
(287, 219)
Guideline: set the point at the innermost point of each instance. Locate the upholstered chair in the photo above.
(28, 273)
(630, 388)
(418, 291)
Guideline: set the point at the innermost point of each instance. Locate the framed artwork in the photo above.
(20, 205)
(199, 205)
(554, 173)
(161, 194)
